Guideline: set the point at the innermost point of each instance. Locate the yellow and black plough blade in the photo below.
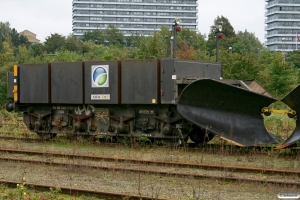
(225, 110)
(293, 101)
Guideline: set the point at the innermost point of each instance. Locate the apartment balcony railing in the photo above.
(276, 3)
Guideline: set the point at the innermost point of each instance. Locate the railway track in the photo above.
(25, 139)
(226, 173)
(79, 192)
(208, 148)
(151, 162)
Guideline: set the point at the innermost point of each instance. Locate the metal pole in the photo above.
(171, 45)
(284, 51)
(174, 40)
(217, 49)
(296, 39)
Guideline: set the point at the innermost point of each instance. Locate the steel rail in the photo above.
(161, 163)
(209, 148)
(79, 192)
(176, 174)
(29, 139)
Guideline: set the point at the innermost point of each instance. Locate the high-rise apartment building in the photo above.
(283, 25)
(132, 16)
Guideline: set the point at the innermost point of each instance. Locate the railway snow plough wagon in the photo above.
(170, 100)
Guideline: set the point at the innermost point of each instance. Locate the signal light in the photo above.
(178, 29)
(221, 35)
(177, 21)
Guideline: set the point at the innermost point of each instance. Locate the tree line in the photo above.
(242, 55)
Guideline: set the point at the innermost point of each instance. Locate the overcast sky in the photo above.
(44, 17)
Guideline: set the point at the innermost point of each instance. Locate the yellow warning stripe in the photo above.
(15, 70)
(15, 91)
(278, 111)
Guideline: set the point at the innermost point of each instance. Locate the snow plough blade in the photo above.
(225, 110)
(293, 101)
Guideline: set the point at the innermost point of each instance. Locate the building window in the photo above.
(92, 13)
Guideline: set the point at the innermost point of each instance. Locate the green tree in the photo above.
(114, 52)
(294, 58)
(113, 36)
(239, 66)
(67, 56)
(7, 57)
(250, 42)
(7, 60)
(282, 76)
(72, 44)
(239, 47)
(143, 51)
(36, 49)
(186, 52)
(23, 55)
(155, 45)
(227, 31)
(276, 75)
(192, 38)
(1, 46)
(54, 42)
(227, 28)
(95, 36)
(11, 36)
(151, 46)
(92, 51)
(132, 40)
(18, 39)
(4, 30)
(165, 37)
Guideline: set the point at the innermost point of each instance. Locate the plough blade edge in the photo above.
(293, 101)
(225, 110)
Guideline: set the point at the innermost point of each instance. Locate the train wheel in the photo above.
(198, 135)
(46, 136)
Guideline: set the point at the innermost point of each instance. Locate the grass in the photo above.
(18, 193)
(13, 122)
(164, 186)
(279, 124)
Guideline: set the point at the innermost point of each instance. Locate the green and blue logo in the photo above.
(100, 76)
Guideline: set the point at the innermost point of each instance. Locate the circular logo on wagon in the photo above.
(100, 76)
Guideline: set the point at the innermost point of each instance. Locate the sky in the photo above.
(46, 17)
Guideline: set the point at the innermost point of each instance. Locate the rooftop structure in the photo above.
(30, 36)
